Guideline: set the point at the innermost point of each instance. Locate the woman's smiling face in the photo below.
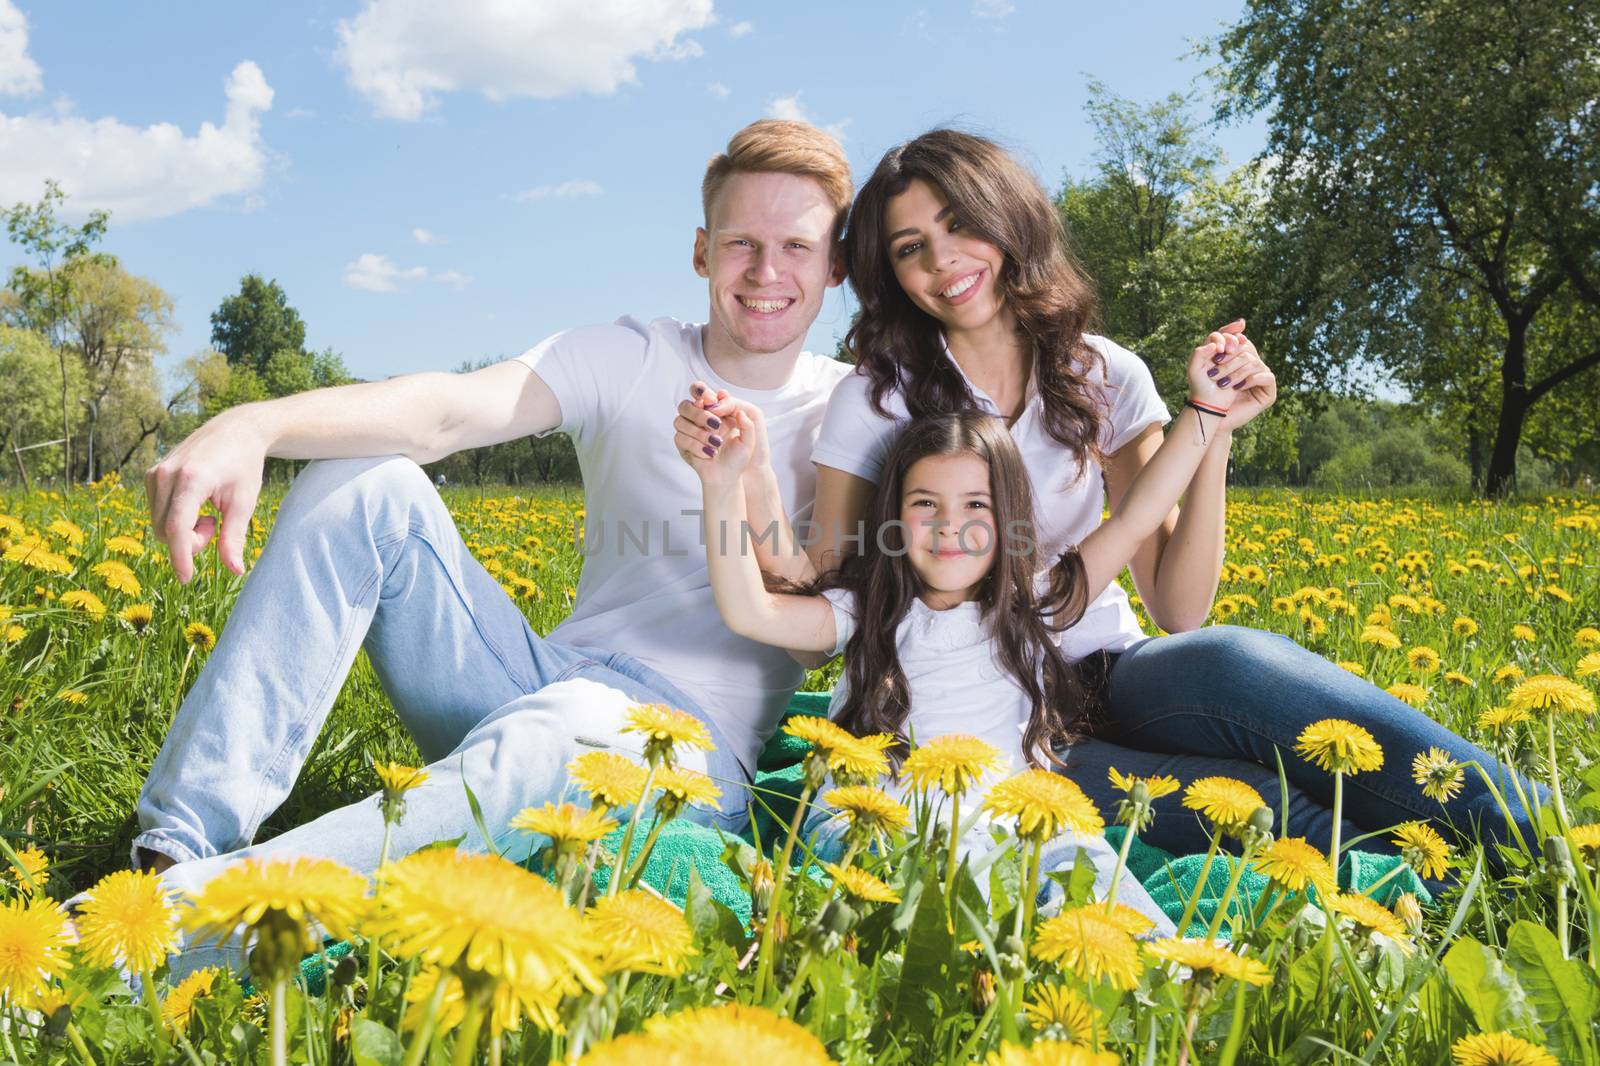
(947, 270)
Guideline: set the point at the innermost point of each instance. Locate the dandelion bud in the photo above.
(1140, 794)
(1558, 861)
(980, 990)
(1258, 830)
(1408, 910)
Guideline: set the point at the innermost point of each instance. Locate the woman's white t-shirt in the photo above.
(1068, 500)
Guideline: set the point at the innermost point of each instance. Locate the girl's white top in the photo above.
(1068, 503)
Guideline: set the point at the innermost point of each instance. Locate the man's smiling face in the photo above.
(766, 253)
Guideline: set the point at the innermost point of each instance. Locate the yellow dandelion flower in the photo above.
(1291, 864)
(1464, 627)
(13, 633)
(1551, 692)
(1523, 633)
(1440, 776)
(1084, 941)
(1589, 665)
(282, 894)
(1587, 637)
(1423, 659)
(68, 531)
(638, 930)
(568, 826)
(858, 758)
(85, 601)
(1423, 849)
(680, 788)
(1509, 672)
(137, 616)
(1044, 804)
(1380, 636)
(860, 884)
(1499, 720)
(1587, 837)
(200, 636)
(73, 696)
(397, 778)
(34, 552)
(33, 948)
(1053, 1007)
(117, 576)
(954, 763)
(1370, 915)
(1339, 746)
(35, 866)
(1458, 678)
(666, 730)
(125, 545)
(449, 908)
(1155, 787)
(1499, 1049)
(871, 810)
(1228, 803)
(1209, 958)
(1354, 667)
(608, 779)
(1050, 1053)
(128, 920)
(178, 1007)
(702, 1035)
(512, 1001)
(1124, 917)
(1413, 695)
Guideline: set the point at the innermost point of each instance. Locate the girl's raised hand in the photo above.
(1226, 371)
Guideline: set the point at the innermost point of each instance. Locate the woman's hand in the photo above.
(1227, 372)
(716, 436)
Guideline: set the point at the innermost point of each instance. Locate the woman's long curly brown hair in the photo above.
(900, 347)
(1018, 619)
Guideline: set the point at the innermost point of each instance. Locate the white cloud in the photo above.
(401, 54)
(567, 190)
(19, 74)
(719, 90)
(372, 272)
(299, 112)
(739, 29)
(422, 236)
(140, 172)
(992, 9)
(789, 107)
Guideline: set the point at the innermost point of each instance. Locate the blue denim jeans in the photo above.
(364, 554)
(1221, 700)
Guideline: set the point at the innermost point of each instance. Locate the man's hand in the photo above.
(221, 462)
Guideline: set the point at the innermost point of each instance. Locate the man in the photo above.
(364, 554)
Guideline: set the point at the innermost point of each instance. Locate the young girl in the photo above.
(944, 614)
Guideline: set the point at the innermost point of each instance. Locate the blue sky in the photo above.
(431, 185)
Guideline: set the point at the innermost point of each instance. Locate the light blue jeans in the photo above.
(364, 554)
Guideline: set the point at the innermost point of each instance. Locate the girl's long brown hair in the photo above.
(881, 577)
(899, 346)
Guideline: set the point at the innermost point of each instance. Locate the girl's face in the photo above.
(950, 531)
(946, 270)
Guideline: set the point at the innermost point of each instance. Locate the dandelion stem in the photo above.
(424, 1033)
(280, 1027)
(1394, 871)
(152, 1003)
(614, 881)
(636, 869)
(1562, 821)
(1561, 920)
(1199, 885)
(1116, 872)
(373, 953)
(1227, 894)
(77, 1044)
(780, 877)
(950, 859)
(467, 1039)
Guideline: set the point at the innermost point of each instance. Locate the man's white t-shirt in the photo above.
(1067, 504)
(644, 588)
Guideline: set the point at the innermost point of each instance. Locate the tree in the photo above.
(42, 296)
(28, 369)
(1426, 151)
(256, 323)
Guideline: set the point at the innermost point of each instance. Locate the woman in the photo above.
(970, 300)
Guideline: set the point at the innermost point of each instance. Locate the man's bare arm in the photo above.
(422, 416)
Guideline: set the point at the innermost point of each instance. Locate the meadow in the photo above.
(1484, 615)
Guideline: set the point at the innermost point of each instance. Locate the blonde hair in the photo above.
(783, 146)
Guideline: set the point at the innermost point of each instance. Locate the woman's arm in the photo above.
(796, 623)
(1176, 566)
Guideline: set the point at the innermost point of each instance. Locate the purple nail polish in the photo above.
(695, 390)
(1211, 373)
(1223, 381)
(714, 422)
(711, 453)
(1239, 385)
(1219, 357)
(716, 440)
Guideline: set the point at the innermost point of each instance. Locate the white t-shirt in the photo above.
(644, 588)
(856, 439)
